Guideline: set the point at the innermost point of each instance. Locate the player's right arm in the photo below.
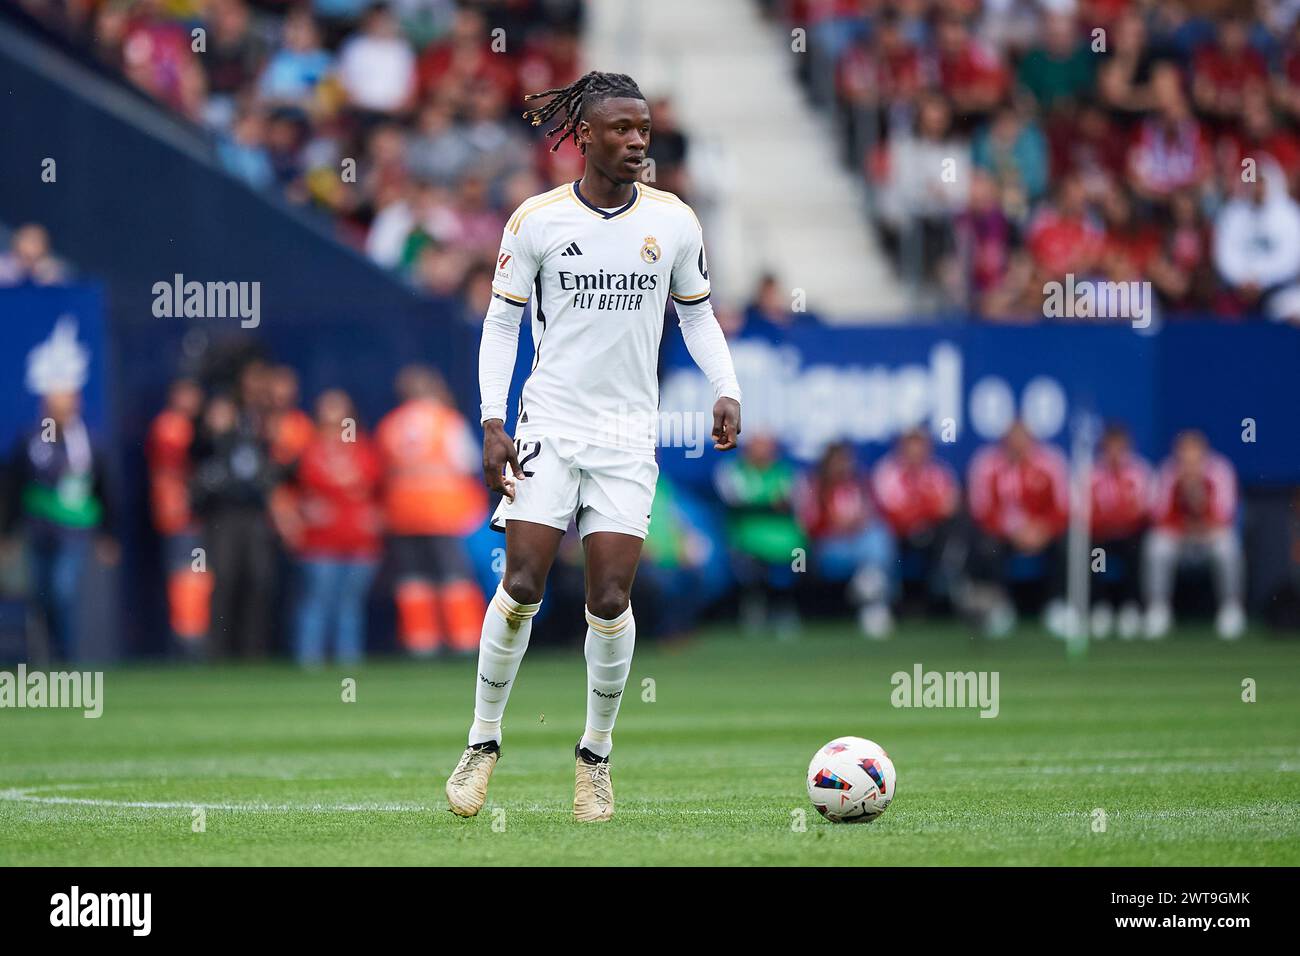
(512, 283)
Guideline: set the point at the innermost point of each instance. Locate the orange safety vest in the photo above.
(432, 484)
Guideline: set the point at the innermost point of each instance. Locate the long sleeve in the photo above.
(496, 358)
(708, 347)
(512, 284)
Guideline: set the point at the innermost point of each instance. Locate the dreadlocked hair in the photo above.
(572, 101)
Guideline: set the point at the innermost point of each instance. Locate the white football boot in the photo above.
(468, 783)
(593, 791)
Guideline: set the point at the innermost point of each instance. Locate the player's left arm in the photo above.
(690, 291)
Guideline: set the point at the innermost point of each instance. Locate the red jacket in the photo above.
(167, 449)
(914, 498)
(832, 509)
(1209, 499)
(1006, 495)
(337, 497)
(1120, 496)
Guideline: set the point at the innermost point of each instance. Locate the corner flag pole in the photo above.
(1078, 579)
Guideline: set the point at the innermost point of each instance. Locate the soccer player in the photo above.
(598, 258)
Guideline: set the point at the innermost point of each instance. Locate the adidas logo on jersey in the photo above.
(572, 250)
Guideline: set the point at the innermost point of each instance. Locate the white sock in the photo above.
(506, 627)
(609, 661)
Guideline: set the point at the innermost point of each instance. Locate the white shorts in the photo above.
(605, 489)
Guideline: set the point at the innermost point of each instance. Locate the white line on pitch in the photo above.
(30, 795)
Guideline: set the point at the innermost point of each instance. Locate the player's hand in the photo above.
(498, 451)
(726, 424)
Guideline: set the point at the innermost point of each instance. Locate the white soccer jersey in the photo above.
(599, 281)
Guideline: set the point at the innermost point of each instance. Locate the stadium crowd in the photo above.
(397, 125)
(1008, 143)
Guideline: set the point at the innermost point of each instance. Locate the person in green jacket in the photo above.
(765, 539)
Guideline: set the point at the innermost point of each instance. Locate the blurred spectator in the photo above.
(377, 66)
(1224, 70)
(433, 496)
(1086, 143)
(851, 543)
(765, 539)
(230, 491)
(500, 148)
(1020, 506)
(971, 74)
(333, 527)
(984, 239)
(1061, 68)
(769, 314)
(288, 428)
(1121, 488)
(155, 53)
(1170, 150)
(1131, 244)
(168, 453)
(438, 150)
(879, 79)
(1181, 271)
(927, 183)
(286, 135)
(232, 58)
(1124, 76)
(1064, 236)
(244, 154)
(1194, 506)
(29, 260)
(1260, 138)
(57, 496)
(918, 495)
(295, 70)
(463, 58)
(1014, 151)
(1257, 238)
(668, 150)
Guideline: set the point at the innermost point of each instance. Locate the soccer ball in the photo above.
(851, 780)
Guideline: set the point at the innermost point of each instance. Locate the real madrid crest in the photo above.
(650, 250)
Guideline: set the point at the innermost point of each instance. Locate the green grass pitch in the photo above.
(711, 772)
